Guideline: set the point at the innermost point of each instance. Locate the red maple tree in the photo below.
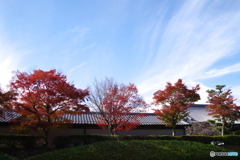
(43, 97)
(174, 100)
(119, 105)
(222, 106)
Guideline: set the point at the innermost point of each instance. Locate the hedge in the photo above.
(77, 140)
(4, 156)
(20, 141)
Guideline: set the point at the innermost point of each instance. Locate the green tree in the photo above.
(5, 98)
(222, 107)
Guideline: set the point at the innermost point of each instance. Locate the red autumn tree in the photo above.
(43, 98)
(222, 106)
(174, 100)
(119, 105)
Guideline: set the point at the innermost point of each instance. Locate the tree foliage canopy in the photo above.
(116, 104)
(222, 106)
(43, 97)
(174, 100)
(5, 98)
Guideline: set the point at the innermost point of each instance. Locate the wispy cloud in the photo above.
(196, 37)
(88, 47)
(77, 67)
(78, 34)
(220, 72)
(75, 35)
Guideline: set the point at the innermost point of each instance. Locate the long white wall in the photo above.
(66, 132)
(62, 132)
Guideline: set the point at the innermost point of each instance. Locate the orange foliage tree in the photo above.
(119, 105)
(174, 100)
(222, 106)
(43, 97)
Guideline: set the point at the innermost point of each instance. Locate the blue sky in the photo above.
(146, 42)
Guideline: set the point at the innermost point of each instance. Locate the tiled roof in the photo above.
(91, 118)
(198, 113)
(7, 115)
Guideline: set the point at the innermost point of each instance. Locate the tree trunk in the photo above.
(223, 126)
(111, 132)
(46, 131)
(173, 130)
(112, 129)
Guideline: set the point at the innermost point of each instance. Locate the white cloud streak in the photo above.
(220, 72)
(195, 38)
(88, 47)
(79, 34)
(77, 67)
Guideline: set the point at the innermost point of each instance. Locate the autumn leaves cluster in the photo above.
(175, 100)
(41, 98)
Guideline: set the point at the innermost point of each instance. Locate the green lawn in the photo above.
(136, 150)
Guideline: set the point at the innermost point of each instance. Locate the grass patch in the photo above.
(136, 149)
(4, 156)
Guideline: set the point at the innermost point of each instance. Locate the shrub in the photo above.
(89, 139)
(202, 128)
(19, 141)
(31, 141)
(198, 138)
(228, 139)
(164, 137)
(9, 141)
(78, 140)
(130, 137)
(4, 156)
(61, 141)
